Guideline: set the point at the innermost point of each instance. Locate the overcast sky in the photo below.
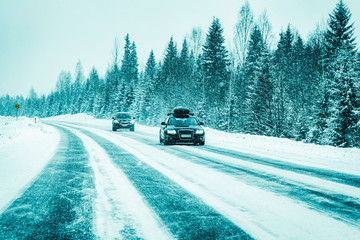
(40, 38)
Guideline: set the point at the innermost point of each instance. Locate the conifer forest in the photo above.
(290, 88)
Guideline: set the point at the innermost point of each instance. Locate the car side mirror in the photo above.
(201, 123)
(163, 123)
(113, 118)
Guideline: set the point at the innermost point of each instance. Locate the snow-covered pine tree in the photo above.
(216, 76)
(283, 74)
(133, 80)
(341, 75)
(168, 78)
(76, 89)
(112, 82)
(129, 74)
(343, 121)
(31, 104)
(260, 93)
(186, 84)
(317, 93)
(301, 89)
(149, 79)
(63, 89)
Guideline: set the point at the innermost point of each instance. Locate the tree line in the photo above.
(307, 91)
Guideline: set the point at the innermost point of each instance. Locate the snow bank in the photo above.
(25, 148)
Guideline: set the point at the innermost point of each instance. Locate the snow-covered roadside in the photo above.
(345, 160)
(25, 148)
(338, 159)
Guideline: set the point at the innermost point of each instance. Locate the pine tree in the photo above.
(256, 47)
(216, 75)
(343, 118)
(149, 80)
(125, 90)
(63, 88)
(184, 79)
(76, 89)
(283, 75)
(31, 104)
(341, 75)
(317, 93)
(340, 34)
(168, 86)
(260, 93)
(112, 82)
(133, 79)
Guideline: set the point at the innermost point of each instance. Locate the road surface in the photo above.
(125, 185)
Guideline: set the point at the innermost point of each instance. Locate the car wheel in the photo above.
(132, 128)
(114, 128)
(202, 143)
(166, 142)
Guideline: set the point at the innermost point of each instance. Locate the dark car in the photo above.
(123, 120)
(181, 127)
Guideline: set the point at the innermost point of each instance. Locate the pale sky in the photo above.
(40, 38)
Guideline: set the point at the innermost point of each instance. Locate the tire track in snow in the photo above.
(327, 174)
(331, 175)
(58, 204)
(120, 212)
(185, 215)
(338, 206)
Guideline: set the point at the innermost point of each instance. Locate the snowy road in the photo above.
(125, 185)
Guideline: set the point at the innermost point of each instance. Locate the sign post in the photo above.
(17, 106)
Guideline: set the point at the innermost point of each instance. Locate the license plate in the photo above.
(186, 135)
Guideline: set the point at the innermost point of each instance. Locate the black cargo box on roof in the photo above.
(181, 110)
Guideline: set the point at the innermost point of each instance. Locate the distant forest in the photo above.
(306, 91)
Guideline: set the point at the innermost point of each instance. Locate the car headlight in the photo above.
(171, 131)
(132, 121)
(116, 121)
(199, 131)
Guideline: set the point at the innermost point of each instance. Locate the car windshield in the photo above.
(182, 122)
(123, 116)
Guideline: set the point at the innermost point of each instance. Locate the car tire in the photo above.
(202, 143)
(132, 128)
(114, 129)
(165, 141)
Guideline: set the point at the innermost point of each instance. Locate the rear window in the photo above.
(123, 116)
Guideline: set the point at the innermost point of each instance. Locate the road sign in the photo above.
(17, 106)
